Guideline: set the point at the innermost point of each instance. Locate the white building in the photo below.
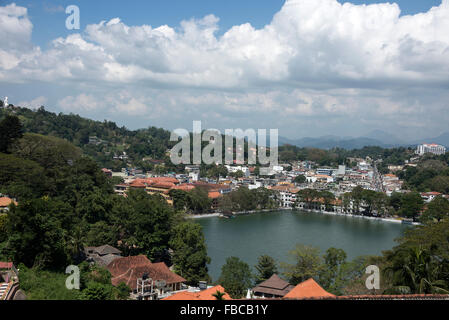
(341, 170)
(234, 169)
(194, 176)
(430, 148)
(287, 195)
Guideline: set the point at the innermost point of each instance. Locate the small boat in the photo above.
(227, 215)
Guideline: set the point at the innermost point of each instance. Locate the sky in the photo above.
(305, 67)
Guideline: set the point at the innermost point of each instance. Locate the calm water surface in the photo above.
(276, 233)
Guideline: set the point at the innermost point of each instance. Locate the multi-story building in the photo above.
(430, 148)
(287, 195)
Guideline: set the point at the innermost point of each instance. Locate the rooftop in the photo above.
(308, 290)
(274, 286)
(129, 269)
(202, 295)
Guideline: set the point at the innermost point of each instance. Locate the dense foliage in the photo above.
(236, 277)
(110, 139)
(244, 199)
(66, 203)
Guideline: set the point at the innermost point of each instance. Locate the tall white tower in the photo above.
(5, 102)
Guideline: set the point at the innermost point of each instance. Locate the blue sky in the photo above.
(49, 17)
(307, 67)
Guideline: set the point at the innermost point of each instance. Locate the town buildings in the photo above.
(430, 148)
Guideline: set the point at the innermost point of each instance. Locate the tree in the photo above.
(148, 230)
(47, 151)
(198, 200)
(437, 210)
(123, 291)
(300, 179)
(10, 130)
(266, 267)
(235, 277)
(237, 174)
(308, 196)
(217, 171)
(28, 180)
(416, 270)
(219, 295)
(189, 252)
(307, 264)
(37, 235)
(97, 291)
(3, 222)
(411, 205)
(330, 277)
(180, 199)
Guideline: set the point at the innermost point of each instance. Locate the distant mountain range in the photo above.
(374, 138)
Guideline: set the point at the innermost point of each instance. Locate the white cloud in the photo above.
(82, 102)
(316, 58)
(35, 103)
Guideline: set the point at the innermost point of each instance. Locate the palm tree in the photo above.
(219, 295)
(419, 273)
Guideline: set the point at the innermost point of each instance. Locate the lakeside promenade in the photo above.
(391, 220)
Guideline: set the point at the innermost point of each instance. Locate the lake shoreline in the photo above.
(391, 220)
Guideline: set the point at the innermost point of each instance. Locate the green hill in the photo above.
(100, 140)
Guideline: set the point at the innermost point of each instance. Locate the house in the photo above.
(274, 287)
(308, 290)
(5, 202)
(102, 255)
(134, 270)
(107, 172)
(215, 198)
(207, 294)
(9, 281)
(287, 195)
(429, 196)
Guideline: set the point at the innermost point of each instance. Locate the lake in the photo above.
(276, 233)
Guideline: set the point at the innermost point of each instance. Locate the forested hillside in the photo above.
(100, 140)
(65, 203)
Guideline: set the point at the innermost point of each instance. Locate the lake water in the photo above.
(276, 233)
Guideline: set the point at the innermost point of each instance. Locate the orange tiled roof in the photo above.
(5, 265)
(307, 290)
(162, 185)
(214, 194)
(184, 187)
(202, 295)
(5, 201)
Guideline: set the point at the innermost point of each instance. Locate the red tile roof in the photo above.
(5, 265)
(202, 295)
(184, 187)
(214, 194)
(308, 290)
(129, 269)
(5, 201)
